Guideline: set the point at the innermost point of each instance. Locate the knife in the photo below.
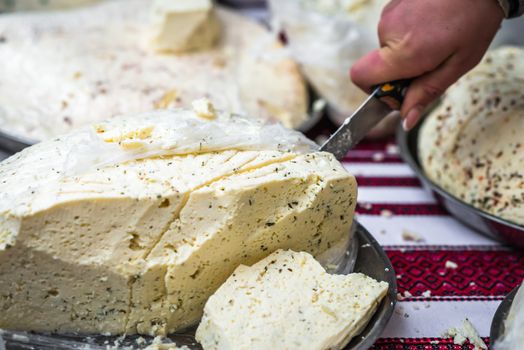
(384, 99)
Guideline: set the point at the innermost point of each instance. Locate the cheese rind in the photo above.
(288, 301)
(138, 246)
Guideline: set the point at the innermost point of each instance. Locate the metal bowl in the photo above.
(499, 319)
(485, 223)
(371, 260)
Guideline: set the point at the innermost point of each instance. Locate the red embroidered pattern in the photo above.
(377, 157)
(421, 344)
(388, 181)
(400, 209)
(478, 273)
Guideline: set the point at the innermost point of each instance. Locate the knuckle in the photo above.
(431, 91)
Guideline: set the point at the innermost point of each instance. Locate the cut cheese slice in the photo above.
(288, 301)
(137, 238)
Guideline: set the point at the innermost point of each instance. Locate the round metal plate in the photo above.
(371, 260)
(499, 319)
(485, 223)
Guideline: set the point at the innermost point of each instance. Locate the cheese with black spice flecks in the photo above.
(130, 225)
(288, 301)
(472, 144)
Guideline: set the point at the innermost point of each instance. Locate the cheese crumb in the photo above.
(426, 294)
(467, 332)
(386, 213)
(410, 236)
(451, 265)
(366, 206)
(392, 149)
(378, 157)
(204, 109)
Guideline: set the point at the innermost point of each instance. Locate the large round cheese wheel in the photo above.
(130, 225)
(64, 69)
(472, 144)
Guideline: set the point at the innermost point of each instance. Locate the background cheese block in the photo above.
(472, 143)
(184, 25)
(339, 32)
(64, 69)
(288, 301)
(139, 246)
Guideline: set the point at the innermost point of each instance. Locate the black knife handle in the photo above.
(393, 92)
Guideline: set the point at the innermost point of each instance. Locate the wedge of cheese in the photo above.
(130, 225)
(92, 63)
(288, 301)
(184, 25)
(472, 144)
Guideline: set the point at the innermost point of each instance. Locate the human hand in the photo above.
(435, 42)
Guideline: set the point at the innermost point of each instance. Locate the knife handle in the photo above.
(393, 92)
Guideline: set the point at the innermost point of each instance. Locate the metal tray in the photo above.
(485, 223)
(499, 319)
(370, 260)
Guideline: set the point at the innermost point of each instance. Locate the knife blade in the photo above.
(384, 99)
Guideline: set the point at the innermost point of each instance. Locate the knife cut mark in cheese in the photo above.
(184, 25)
(65, 69)
(288, 301)
(139, 244)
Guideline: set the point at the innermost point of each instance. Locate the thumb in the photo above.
(428, 87)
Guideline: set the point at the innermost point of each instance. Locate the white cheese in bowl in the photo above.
(288, 301)
(129, 226)
(472, 145)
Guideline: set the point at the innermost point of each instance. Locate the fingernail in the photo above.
(411, 118)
